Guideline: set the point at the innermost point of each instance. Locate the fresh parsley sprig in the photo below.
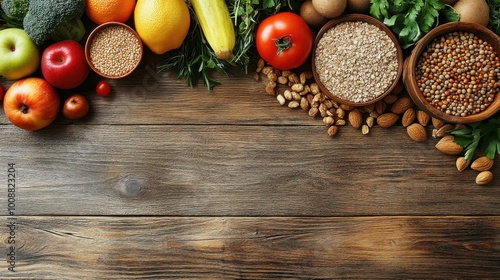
(410, 20)
(482, 136)
(494, 23)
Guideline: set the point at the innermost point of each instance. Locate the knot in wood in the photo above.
(131, 187)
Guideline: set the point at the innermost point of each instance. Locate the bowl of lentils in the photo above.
(356, 60)
(453, 73)
(114, 50)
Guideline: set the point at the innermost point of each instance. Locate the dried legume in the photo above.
(356, 61)
(115, 51)
(459, 74)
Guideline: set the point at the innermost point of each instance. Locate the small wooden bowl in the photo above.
(356, 18)
(410, 80)
(115, 59)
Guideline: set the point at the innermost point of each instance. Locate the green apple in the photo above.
(20, 56)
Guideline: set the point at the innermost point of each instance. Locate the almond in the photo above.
(423, 118)
(443, 130)
(482, 164)
(448, 146)
(401, 105)
(437, 123)
(387, 120)
(417, 132)
(408, 117)
(462, 163)
(380, 107)
(355, 118)
(390, 99)
(484, 178)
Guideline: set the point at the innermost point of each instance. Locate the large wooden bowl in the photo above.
(409, 73)
(356, 18)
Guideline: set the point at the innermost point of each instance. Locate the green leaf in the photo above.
(428, 17)
(436, 4)
(414, 11)
(491, 150)
(463, 141)
(391, 21)
(268, 4)
(379, 9)
(400, 6)
(462, 132)
(450, 14)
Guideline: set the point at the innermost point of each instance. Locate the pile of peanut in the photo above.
(299, 90)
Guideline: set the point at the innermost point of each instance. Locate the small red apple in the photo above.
(75, 107)
(64, 64)
(31, 103)
(2, 92)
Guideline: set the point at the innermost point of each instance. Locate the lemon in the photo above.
(162, 25)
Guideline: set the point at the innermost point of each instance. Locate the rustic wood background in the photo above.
(165, 181)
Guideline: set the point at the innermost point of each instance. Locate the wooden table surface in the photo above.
(165, 181)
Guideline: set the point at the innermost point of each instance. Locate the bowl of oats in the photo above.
(114, 50)
(356, 60)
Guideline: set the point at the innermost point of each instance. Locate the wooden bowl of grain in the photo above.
(356, 60)
(114, 50)
(453, 73)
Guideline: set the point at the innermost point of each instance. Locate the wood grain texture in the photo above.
(236, 170)
(258, 248)
(163, 181)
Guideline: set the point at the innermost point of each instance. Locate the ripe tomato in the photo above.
(75, 107)
(284, 40)
(103, 88)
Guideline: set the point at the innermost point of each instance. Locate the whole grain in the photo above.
(356, 61)
(115, 51)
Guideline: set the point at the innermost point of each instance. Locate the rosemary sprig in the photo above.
(195, 60)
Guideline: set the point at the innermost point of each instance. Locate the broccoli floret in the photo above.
(13, 12)
(15, 9)
(55, 20)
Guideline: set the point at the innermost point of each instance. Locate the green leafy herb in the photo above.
(494, 23)
(410, 20)
(195, 60)
(482, 136)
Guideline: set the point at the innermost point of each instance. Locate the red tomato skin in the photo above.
(103, 88)
(279, 25)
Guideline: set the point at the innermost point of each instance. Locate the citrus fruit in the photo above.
(102, 11)
(162, 25)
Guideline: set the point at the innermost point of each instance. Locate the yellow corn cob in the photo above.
(217, 26)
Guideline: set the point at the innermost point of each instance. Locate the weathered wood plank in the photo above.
(256, 248)
(236, 171)
(145, 98)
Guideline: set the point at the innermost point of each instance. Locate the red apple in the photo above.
(31, 103)
(75, 107)
(2, 92)
(64, 65)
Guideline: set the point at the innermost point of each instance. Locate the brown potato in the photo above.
(330, 8)
(476, 11)
(312, 17)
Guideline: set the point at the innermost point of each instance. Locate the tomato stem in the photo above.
(283, 43)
